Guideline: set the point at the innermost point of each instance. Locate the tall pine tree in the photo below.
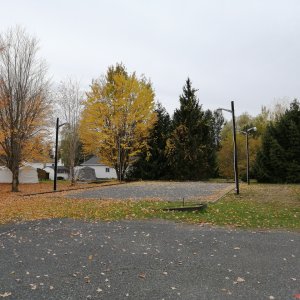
(191, 146)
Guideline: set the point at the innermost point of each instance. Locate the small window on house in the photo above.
(107, 170)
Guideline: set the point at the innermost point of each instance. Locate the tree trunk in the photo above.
(14, 163)
(117, 168)
(15, 179)
(72, 155)
(72, 174)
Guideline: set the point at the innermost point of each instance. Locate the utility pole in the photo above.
(55, 158)
(236, 173)
(56, 150)
(235, 154)
(247, 153)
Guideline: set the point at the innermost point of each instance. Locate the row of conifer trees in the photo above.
(185, 146)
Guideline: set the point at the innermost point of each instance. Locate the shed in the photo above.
(5, 175)
(86, 174)
(28, 174)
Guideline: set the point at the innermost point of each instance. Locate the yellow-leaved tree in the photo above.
(118, 114)
(225, 154)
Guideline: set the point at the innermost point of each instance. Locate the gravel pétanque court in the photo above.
(68, 259)
(160, 190)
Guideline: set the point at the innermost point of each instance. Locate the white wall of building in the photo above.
(101, 171)
(104, 172)
(5, 175)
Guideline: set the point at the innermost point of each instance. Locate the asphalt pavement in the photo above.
(74, 259)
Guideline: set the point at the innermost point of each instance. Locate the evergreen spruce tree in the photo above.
(278, 160)
(191, 146)
(152, 163)
(214, 121)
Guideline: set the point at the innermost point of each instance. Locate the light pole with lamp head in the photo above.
(235, 155)
(246, 133)
(56, 148)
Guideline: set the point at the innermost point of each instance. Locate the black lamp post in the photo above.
(235, 155)
(56, 148)
(246, 133)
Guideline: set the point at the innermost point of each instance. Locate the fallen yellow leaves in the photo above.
(14, 207)
(6, 294)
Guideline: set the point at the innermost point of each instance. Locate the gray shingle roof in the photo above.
(93, 161)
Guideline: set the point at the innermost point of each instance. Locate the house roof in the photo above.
(93, 161)
(59, 168)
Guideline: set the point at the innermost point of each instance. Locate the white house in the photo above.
(62, 172)
(27, 174)
(101, 170)
(52, 163)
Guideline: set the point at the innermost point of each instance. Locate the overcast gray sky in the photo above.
(246, 51)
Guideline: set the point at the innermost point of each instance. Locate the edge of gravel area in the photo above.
(71, 190)
(212, 198)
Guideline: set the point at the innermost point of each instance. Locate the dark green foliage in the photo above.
(152, 163)
(217, 122)
(184, 148)
(191, 148)
(278, 161)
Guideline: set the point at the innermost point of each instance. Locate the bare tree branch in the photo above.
(69, 99)
(24, 104)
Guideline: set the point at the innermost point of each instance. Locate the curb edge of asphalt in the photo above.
(70, 190)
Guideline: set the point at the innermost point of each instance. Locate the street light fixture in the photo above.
(246, 133)
(56, 148)
(235, 155)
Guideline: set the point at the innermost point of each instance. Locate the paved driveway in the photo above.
(156, 190)
(66, 259)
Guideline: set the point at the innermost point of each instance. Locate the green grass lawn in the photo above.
(259, 206)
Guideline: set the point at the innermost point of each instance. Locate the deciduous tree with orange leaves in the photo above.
(117, 117)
